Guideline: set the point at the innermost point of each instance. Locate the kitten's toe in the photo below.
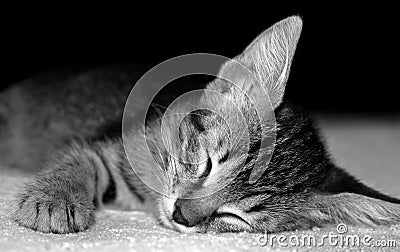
(55, 212)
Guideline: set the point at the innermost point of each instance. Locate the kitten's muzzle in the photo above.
(185, 213)
(190, 213)
(178, 217)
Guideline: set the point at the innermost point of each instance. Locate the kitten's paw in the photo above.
(53, 210)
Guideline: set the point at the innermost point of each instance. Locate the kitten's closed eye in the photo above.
(207, 169)
(224, 158)
(209, 165)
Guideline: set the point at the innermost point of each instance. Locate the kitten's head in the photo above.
(215, 149)
(211, 154)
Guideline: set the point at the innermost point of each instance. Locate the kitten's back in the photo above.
(41, 114)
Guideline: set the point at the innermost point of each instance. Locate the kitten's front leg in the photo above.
(52, 204)
(61, 198)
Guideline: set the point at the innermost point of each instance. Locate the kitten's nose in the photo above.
(190, 212)
(178, 216)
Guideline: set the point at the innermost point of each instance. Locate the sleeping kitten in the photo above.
(300, 188)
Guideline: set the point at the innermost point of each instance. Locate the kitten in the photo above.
(300, 187)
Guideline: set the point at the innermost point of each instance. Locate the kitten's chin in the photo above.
(168, 223)
(185, 229)
(219, 223)
(228, 219)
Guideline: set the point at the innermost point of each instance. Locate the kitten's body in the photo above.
(300, 187)
(46, 112)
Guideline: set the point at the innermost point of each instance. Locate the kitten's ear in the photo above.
(268, 58)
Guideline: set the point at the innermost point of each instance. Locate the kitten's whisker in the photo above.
(153, 104)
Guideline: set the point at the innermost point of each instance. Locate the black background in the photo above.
(347, 59)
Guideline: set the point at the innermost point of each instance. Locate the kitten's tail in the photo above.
(341, 198)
